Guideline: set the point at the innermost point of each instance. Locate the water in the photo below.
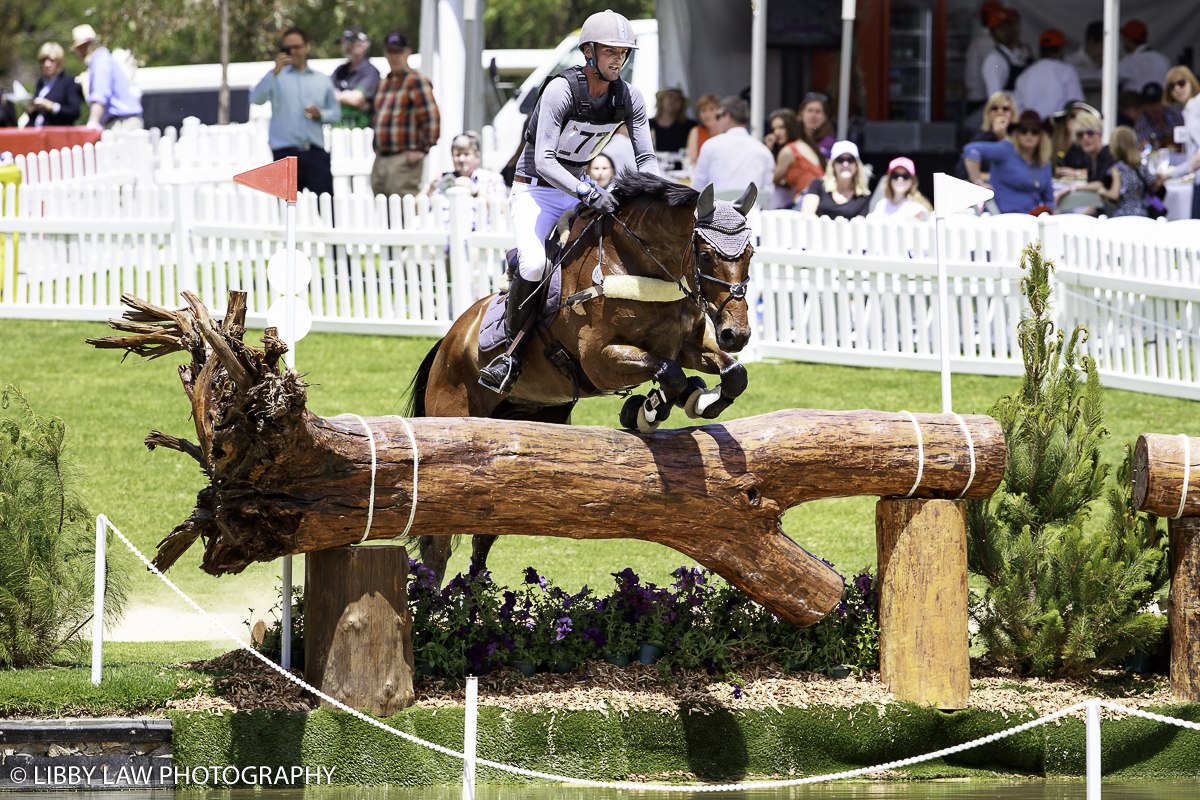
(939, 790)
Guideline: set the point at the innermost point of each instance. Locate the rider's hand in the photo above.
(601, 200)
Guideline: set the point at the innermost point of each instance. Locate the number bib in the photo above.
(580, 142)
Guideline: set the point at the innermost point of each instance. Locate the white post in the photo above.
(943, 314)
(289, 358)
(758, 68)
(469, 738)
(462, 278)
(1092, 740)
(98, 600)
(843, 126)
(1108, 72)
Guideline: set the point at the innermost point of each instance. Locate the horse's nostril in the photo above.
(726, 336)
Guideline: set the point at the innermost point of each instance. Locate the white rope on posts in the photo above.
(98, 599)
(1187, 473)
(470, 727)
(920, 455)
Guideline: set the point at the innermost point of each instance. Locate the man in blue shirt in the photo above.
(113, 102)
(301, 100)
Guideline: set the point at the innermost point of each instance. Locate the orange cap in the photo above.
(1052, 37)
(1135, 29)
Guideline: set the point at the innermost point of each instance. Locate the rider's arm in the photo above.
(639, 132)
(554, 106)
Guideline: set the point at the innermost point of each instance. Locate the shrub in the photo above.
(1060, 602)
(47, 544)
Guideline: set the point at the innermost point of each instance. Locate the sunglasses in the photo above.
(844, 160)
(1088, 132)
(1030, 131)
(816, 96)
(901, 176)
(1005, 109)
(1179, 84)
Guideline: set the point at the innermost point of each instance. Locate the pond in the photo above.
(938, 790)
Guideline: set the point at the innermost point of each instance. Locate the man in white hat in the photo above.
(113, 102)
(573, 121)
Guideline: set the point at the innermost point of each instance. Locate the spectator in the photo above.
(601, 171)
(982, 46)
(465, 151)
(113, 103)
(733, 159)
(8, 114)
(1048, 84)
(1156, 125)
(1020, 173)
(708, 109)
(1129, 108)
(406, 122)
(844, 191)
(1096, 157)
(620, 151)
(56, 98)
(670, 126)
(1088, 60)
(903, 200)
(356, 80)
(1141, 64)
(1131, 181)
(1185, 90)
(796, 163)
(1068, 159)
(998, 114)
(814, 125)
(301, 99)
(1002, 68)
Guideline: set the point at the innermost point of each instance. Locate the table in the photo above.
(1179, 199)
(22, 141)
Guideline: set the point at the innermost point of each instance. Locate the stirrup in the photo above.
(501, 374)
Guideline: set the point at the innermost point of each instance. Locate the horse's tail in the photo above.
(415, 407)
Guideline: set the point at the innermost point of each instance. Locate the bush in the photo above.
(47, 544)
(1060, 602)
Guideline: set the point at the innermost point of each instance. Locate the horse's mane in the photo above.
(631, 185)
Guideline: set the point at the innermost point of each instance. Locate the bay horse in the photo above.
(674, 265)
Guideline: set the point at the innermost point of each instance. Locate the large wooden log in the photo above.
(286, 481)
(1184, 613)
(923, 639)
(1158, 475)
(357, 629)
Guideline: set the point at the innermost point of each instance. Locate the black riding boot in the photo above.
(501, 374)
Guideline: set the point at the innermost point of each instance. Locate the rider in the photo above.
(572, 122)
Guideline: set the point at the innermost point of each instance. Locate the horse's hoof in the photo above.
(630, 411)
(701, 403)
(656, 408)
(644, 425)
(694, 384)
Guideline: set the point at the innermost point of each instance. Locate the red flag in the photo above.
(278, 179)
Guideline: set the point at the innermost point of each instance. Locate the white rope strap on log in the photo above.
(971, 449)
(1187, 472)
(920, 456)
(412, 513)
(371, 502)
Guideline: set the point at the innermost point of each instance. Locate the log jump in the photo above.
(1166, 482)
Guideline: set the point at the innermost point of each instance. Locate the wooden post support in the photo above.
(357, 629)
(922, 547)
(1185, 609)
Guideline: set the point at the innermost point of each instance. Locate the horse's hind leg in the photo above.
(481, 545)
(435, 554)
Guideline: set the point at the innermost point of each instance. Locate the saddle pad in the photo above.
(491, 330)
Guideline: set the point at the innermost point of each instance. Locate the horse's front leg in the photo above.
(626, 365)
(704, 356)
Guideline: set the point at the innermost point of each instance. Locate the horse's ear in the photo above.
(746, 202)
(705, 206)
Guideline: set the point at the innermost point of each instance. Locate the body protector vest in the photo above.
(589, 127)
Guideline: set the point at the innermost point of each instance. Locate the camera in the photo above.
(287, 51)
(446, 182)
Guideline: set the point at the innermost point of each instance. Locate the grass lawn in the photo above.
(109, 406)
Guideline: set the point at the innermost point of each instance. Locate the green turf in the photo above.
(110, 406)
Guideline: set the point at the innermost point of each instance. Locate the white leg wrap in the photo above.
(645, 425)
(700, 400)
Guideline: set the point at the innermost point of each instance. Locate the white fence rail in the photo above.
(858, 293)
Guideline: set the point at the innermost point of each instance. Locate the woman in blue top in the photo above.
(1020, 166)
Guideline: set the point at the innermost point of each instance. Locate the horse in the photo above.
(657, 287)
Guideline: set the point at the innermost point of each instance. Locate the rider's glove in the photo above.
(600, 200)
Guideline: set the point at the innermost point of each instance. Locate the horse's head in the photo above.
(721, 258)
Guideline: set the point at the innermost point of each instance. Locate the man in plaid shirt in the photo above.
(406, 123)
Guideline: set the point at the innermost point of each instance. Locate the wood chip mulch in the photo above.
(243, 683)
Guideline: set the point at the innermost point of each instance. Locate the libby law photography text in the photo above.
(63, 775)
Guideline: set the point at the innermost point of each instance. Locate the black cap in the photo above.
(1152, 92)
(395, 39)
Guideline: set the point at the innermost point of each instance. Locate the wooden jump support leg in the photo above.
(1166, 482)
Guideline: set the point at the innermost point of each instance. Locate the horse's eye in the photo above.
(707, 256)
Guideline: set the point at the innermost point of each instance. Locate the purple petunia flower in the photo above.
(562, 626)
(737, 692)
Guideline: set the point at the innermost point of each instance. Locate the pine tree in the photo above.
(47, 543)
(1060, 602)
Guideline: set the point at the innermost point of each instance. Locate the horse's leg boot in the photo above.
(501, 374)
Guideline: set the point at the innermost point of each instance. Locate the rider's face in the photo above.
(609, 61)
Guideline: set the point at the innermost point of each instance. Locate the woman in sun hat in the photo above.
(670, 126)
(844, 191)
(902, 199)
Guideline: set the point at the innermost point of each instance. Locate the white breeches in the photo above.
(535, 210)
